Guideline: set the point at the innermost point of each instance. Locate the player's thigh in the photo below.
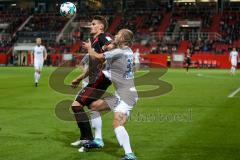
(76, 103)
(38, 67)
(234, 63)
(93, 92)
(99, 105)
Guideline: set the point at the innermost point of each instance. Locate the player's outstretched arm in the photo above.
(77, 80)
(109, 46)
(96, 55)
(91, 52)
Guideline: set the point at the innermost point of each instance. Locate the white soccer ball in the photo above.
(68, 9)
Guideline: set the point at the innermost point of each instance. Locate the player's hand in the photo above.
(75, 83)
(87, 45)
(108, 47)
(105, 48)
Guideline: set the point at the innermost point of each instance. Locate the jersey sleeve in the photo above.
(113, 54)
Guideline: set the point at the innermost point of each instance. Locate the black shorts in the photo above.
(93, 91)
(188, 62)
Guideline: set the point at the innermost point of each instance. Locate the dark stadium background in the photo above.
(194, 117)
(162, 29)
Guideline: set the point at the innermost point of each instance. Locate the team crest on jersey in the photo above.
(108, 38)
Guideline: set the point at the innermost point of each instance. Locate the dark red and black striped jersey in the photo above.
(101, 40)
(95, 65)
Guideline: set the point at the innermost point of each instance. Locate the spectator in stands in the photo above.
(174, 49)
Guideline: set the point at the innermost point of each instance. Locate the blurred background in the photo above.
(164, 29)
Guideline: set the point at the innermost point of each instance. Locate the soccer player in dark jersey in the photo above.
(188, 59)
(119, 69)
(97, 84)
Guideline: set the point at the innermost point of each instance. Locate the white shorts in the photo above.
(118, 105)
(38, 65)
(234, 62)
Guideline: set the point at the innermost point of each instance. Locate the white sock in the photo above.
(39, 76)
(234, 70)
(123, 139)
(97, 123)
(36, 77)
(231, 70)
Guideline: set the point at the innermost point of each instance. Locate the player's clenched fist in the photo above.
(75, 83)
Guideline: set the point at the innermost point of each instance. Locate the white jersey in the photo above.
(39, 52)
(233, 55)
(119, 69)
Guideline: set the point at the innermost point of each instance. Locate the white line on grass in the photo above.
(233, 93)
(217, 77)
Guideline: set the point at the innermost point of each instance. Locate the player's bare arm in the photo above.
(110, 46)
(77, 80)
(45, 54)
(91, 52)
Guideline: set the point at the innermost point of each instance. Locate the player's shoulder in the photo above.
(35, 47)
(114, 50)
(128, 50)
(233, 52)
(42, 46)
(104, 36)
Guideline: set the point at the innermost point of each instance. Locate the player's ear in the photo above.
(102, 27)
(122, 38)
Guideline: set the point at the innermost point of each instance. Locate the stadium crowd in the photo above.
(143, 20)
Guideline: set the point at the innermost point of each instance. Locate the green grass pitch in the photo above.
(195, 121)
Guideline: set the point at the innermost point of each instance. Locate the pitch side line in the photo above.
(233, 93)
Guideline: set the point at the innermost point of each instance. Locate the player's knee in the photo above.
(76, 106)
(95, 105)
(117, 122)
(119, 119)
(76, 103)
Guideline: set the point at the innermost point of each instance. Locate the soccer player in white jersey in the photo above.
(119, 69)
(40, 55)
(137, 59)
(233, 57)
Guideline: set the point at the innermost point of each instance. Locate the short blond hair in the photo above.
(128, 36)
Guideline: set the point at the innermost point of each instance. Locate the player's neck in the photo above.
(97, 34)
(122, 46)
